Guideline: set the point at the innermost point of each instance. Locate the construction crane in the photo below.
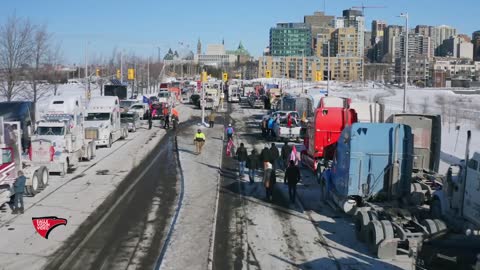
(362, 7)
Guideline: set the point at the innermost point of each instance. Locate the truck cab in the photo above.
(102, 121)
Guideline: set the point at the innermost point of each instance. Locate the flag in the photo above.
(293, 155)
(145, 100)
(230, 148)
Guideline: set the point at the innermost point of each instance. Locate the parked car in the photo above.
(131, 120)
(140, 108)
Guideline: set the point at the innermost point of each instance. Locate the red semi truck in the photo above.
(322, 136)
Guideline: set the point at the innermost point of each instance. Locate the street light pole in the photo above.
(303, 68)
(328, 68)
(148, 75)
(405, 15)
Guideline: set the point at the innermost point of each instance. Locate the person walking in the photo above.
(149, 118)
(267, 180)
(270, 124)
(285, 155)
(242, 157)
(211, 119)
(166, 123)
(229, 130)
(19, 188)
(199, 141)
(264, 127)
(265, 155)
(292, 177)
(252, 165)
(275, 157)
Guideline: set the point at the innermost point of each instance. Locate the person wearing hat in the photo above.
(229, 130)
(199, 140)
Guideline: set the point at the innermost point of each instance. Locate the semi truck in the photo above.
(102, 121)
(322, 135)
(370, 178)
(14, 160)
(369, 112)
(119, 91)
(61, 131)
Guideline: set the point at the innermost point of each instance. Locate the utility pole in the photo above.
(148, 75)
(87, 81)
(121, 67)
(328, 68)
(405, 15)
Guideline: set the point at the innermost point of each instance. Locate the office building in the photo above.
(476, 45)
(216, 56)
(291, 39)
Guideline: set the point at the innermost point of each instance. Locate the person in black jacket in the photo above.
(285, 154)
(266, 155)
(242, 156)
(252, 164)
(275, 156)
(292, 177)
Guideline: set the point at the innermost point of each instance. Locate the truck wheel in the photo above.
(361, 222)
(429, 225)
(64, 169)
(45, 177)
(31, 190)
(375, 235)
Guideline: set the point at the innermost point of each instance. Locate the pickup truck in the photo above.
(282, 131)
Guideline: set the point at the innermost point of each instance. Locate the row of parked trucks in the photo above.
(385, 173)
(54, 141)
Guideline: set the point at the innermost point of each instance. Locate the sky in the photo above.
(140, 26)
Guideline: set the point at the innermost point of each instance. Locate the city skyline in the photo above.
(143, 26)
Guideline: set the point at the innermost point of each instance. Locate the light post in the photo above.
(328, 67)
(303, 68)
(405, 15)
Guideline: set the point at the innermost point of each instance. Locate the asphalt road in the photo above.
(129, 229)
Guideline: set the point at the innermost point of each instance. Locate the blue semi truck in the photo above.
(371, 179)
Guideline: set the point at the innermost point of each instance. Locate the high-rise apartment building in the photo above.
(291, 39)
(377, 40)
(354, 18)
(344, 42)
(441, 33)
(390, 33)
(424, 30)
(318, 23)
(418, 45)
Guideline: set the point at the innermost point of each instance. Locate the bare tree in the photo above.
(15, 53)
(54, 58)
(40, 50)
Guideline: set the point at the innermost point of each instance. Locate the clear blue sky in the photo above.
(139, 25)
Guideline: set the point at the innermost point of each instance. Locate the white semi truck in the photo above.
(59, 141)
(102, 121)
(14, 160)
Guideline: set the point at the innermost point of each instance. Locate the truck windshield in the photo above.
(97, 117)
(126, 103)
(51, 131)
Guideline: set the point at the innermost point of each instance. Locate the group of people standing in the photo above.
(270, 160)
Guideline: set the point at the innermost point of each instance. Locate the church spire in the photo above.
(199, 47)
